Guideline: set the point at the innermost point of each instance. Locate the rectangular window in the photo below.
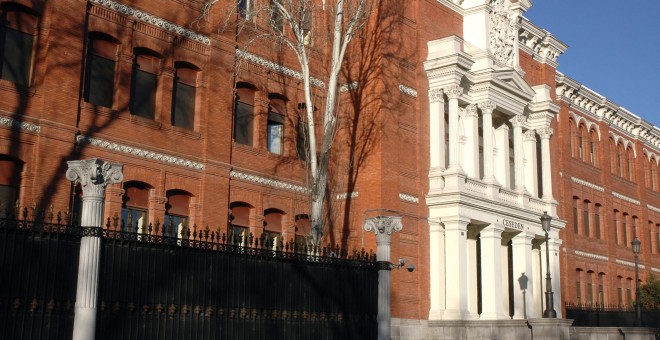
(244, 8)
(275, 132)
(616, 227)
(597, 221)
(243, 116)
(134, 220)
(143, 94)
(17, 56)
(575, 216)
(624, 230)
(585, 223)
(578, 291)
(99, 80)
(276, 18)
(175, 225)
(183, 108)
(301, 140)
(238, 236)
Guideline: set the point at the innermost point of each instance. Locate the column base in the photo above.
(436, 314)
(84, 324)
(493, 316)
(456, 315)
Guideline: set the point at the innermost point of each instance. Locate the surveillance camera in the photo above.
(411, 268)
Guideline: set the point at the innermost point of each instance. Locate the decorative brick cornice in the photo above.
(587, 184)
(276, 67)
(268, 182)
(591, 256)
(18, 124)
(408, 198)
(101, 143)
(153, 20)
(628, 263)
(408, 90)
(652, 208)
(625, 198)
(540, 43)
(345, 195)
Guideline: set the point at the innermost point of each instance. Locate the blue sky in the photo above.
(614, 48)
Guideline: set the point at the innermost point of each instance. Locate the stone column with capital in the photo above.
(453, 92)
(471, 125)
(456, 267)
(523, 276)
(437, 268)
(384, 227)
(531, 179)
(491, 272)
(517, 122)
(546, 168)
(93, 175)
(487, 108)
(437, 126)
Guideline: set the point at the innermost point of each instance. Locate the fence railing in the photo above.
(597, 315)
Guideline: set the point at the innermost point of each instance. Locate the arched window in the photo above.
(244, 8)
(177, 211)
(613, 157)
(597, 208)
(629, 296)
(244, 114)
(572, 137)
(582, 143)
(620, 154)
(653, 175)
(273, 220)
(302, 230)
(144, 83)
(275, 125)
(578, 286)
(576, 215)
(601, 289)
(18, 29)
(100, 70)
(593, 156)
(590, 287)
(630, 164)
(616, 226)
(634, 229)
(619, 290)
(184, 95)
(585, 220)
(10, 181)
(624, 229)
(276, 17)
(135, 207)
(239, 222)
(302, 144)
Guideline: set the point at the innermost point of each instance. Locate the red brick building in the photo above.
(207, 126)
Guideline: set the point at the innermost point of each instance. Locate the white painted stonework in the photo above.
(490, 172)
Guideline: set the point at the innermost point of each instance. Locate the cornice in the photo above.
(236, 174)
(625, 198)
(587, 184)
(541, 44)
(276, 67)
(454, 5)
(591, 256)
(628, 263)
(137, 152)
(153, 20)
(652, 208)
(19, 124)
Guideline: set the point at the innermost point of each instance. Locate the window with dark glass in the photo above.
(244, 8)
(619, 291)
(302, 146)
(589, 288)
(275, 125)
(18, 28)
(624, 229)
(302, 231)
(100, 72)
(243, 115)
(272, 234)
(135, 207)
(585, 222)
(176, 214)
(183, 97)
(144, 83)
(575, 215)
(601, 289)
(239, 222)
(597, 221)
(578, 286)
(616, 227)
(306, 25)
(276, 17)
(10, 179)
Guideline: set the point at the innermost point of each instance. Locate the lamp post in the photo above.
(637, 247)
(549, 311)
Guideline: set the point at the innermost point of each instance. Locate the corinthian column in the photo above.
(437, 125)
(487, 108)
(93, 175)
(518, 158)
(546, 168)
(471, 125)
(531, 183)
(383, 227)
(453, 93)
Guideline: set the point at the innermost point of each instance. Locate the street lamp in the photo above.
(549, 311)
(637, 247)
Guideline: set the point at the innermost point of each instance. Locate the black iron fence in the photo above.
(596, 315)
(38, 273)
(202, 285)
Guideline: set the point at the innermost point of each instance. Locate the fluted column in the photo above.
(94, 175)
(531, 179)
(518, 158)
(487, 108)
(437, 269)
(453, 93)
(523, 273)
(491, 272)
(471, 126)
(546, 167)
(384, 227)
(456, 267)
(437, 126)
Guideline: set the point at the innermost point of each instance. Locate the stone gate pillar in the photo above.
(384, 227)
(94, 175)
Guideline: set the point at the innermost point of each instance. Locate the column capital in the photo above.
(530, 136)
(453, 92)
(436, 95)
(518, 120)
(545, 132)
(487, 107)
(383, 227)
(469, 111)
(94, 175)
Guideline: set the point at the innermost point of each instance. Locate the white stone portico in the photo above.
(490, 171)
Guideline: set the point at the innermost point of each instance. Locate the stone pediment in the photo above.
(505, 87)
(513, 80)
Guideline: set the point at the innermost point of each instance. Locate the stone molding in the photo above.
(503, 22)
(518, 120)
(652, 208)
(629, 264)
(436, 96)
(408, 90)
(105, 144)
(469, 111)
(540, 43)
(350, 86)
(453, 92)
(346, 195)
(268, 182)
(625, 198)
(487, 107)
(654, 269)
(591, 256)
(545, 132)
(153, 20)
(276, 67)
(408, 198)
(587, 184)
(19, 124)
(626, 143)
(589, 124)
(530, 136)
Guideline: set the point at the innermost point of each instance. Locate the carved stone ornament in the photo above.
(545, 133)
(469, 111)
(518, 120)
(383, 227)
(94, 175)
(502, 31)
(436, 95)
(487, 107)
(530, 135)
(453, 92)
